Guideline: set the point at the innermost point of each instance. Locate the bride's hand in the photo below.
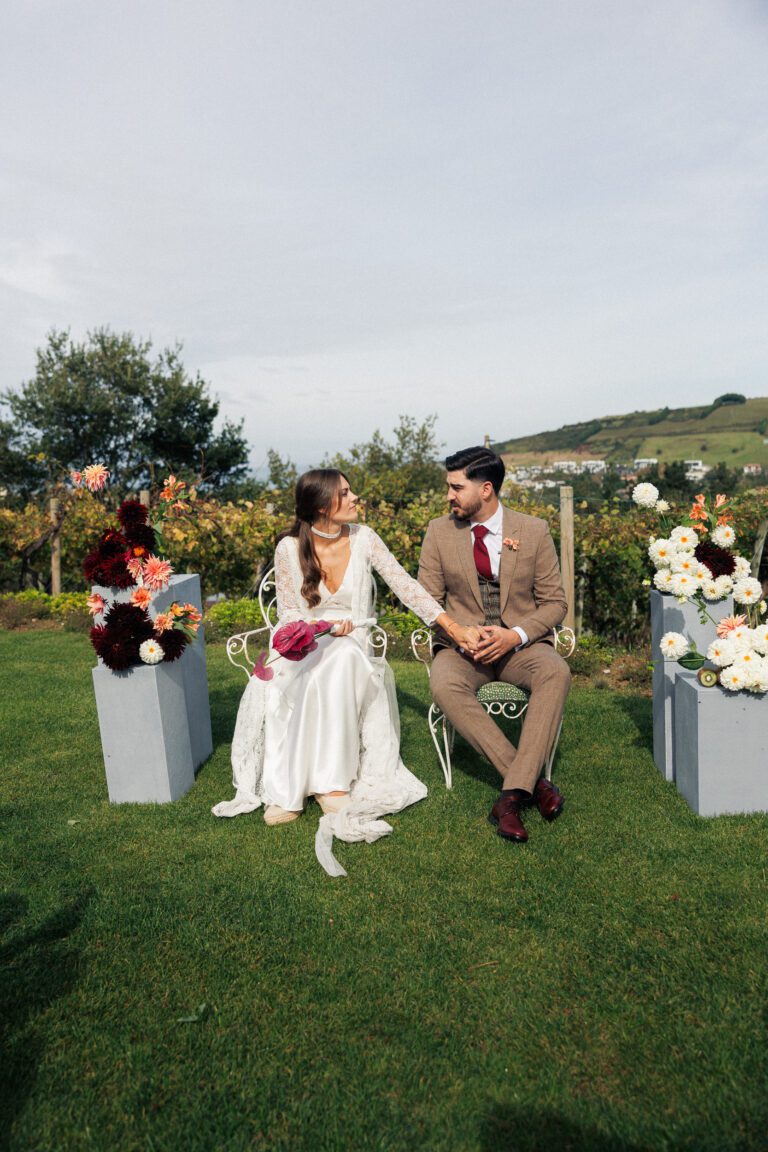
(467, 638)
(342, 628)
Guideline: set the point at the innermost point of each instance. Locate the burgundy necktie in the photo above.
(482, 559)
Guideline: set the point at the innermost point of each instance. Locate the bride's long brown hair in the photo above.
(317, 494)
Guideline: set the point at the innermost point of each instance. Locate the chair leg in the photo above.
(443, 741)
(551, 757)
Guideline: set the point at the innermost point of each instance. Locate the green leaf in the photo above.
(693, 661)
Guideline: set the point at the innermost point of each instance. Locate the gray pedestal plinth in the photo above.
(721, 748)
(669, 616)
(144, 733)
(151, 710)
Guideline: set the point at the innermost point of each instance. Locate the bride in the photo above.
(327, 726)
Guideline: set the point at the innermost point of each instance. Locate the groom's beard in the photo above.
(468, 512)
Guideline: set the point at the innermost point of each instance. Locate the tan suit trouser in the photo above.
(542, 672)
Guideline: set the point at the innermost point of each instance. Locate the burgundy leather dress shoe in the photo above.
(548, 799)
(505, 814)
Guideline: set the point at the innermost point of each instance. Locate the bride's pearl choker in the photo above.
(325, 535)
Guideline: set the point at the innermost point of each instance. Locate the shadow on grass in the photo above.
(508, 1129)
(639, 711)
(36, 969)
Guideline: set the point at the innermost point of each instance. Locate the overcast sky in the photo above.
(513, 213)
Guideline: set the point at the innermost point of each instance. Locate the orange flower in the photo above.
(700, 499)
(720, 499)
(163, 622)
(141, 597)
(508, 542)
(698, 512)
(176, 609)
(728, 623)
(139, 550)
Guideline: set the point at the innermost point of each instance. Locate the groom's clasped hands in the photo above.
(487, 644)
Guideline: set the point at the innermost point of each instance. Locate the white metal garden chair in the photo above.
(237, 645)
(498, 699)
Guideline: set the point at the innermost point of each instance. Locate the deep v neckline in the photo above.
(336, 591)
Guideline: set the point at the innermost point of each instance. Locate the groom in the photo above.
(496, 568)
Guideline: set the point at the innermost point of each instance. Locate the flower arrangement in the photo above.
(125, 556)
(695, 561)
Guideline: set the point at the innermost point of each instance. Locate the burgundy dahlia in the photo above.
(118, 639)
(141, 536)
(106, 563)
(115, 646)
(173, 642)
(131, 619)
(712, 556)
(132, 512)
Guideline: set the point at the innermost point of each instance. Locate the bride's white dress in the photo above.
(329, 722)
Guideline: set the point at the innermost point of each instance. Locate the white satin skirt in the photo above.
(312, 725)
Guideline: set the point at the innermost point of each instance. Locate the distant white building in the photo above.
(564, 466)
(752, 469)
(593, 465)
(650, 462)
(696, 469)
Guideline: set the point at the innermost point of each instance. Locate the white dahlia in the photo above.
(760, 639)
(662, 552)
(724, 536)
(663, 580)
(733, 678)
(748, 591)
(748, 660)
(709, 589)
(741, 636)
(645, 495)
(725, 584)
(673, 645)
(721, 652)
(684, 562)
(683, 586)
(742, 569)
(759, 677)
(684, 537)
(662, 506)
(151, 652)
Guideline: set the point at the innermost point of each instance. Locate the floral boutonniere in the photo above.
(509, 543)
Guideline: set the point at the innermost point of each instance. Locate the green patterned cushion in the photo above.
(498, 693)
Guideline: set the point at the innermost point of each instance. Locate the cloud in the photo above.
(508, 214)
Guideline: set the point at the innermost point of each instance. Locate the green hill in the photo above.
(735, 432)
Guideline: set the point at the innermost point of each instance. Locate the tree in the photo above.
(398, 470)
(721, 478)
(672, 483)
(107, 400)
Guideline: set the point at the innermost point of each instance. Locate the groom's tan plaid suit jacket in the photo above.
(532, 598)
(530, 588)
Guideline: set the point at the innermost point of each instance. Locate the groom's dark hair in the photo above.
(478, 464)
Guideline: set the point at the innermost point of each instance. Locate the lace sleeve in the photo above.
(290, 603)
(404, 586)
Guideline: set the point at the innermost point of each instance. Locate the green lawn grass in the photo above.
(600, 988)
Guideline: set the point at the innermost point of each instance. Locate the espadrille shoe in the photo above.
(274, 814)
(330, 803)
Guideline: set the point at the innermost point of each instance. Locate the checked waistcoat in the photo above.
(491, 595)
